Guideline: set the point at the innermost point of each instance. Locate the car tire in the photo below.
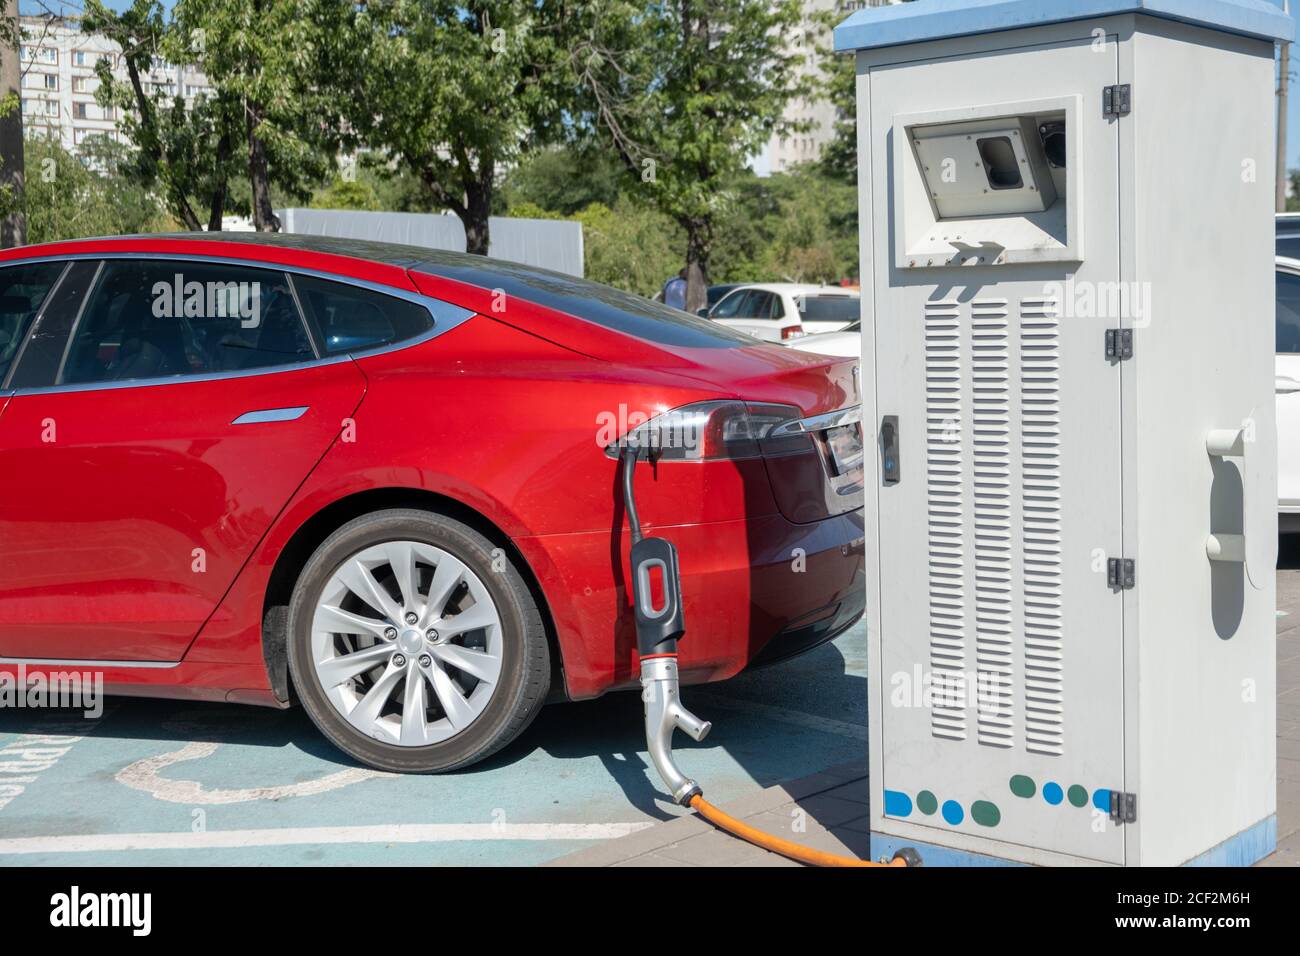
(507, 702)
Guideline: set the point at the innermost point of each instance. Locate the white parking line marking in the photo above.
(28, 755)
(144, 775)
(291, 836)
(826, 725)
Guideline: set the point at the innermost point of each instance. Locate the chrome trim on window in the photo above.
(445, 318)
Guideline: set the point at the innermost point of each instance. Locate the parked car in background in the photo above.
(846, 344)
(782, 311)
(716, 292)
(1288, 235)
(1287, 378)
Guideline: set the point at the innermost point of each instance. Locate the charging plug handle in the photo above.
(659, 620)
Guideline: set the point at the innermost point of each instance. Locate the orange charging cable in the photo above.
(777, 845)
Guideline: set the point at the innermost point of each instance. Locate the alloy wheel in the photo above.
(406, 643)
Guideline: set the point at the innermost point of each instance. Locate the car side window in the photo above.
(758, 305)
(23, 290)
(159, 319)
(1288, 313)
(349, 318)
(732, 306)
(767, 305)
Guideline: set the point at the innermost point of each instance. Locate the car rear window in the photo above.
(350, 319)
(599, 304)
(828, 308)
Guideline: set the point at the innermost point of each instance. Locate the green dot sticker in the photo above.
(1077, 795)
(926, 802)
(985, 814)
(1023, 786)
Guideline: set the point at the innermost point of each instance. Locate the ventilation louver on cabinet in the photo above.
(945, 476)
(1041, 464)
(994, 624)
(993, 497)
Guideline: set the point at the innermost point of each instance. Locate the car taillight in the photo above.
(708, 431)
(792, 332)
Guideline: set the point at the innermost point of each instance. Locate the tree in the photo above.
(630, 246)
(346, 194)
(840, 155)
(685, 92)
(68, 199)
(13, 225)
(266, 59)
(187, 150)
(564, 180)
(455, 91)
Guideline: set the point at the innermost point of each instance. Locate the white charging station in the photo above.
(1068, 313)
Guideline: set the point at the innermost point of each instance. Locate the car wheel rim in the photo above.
(406, 643)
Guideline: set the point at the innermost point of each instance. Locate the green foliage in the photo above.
(530, 210)
(346, 194)
(799, 226)
(66, 200)
(840, 155)
(268, 57)
(188, 151)
(564, 180)
(685, 92)
(630, 246)
(812, 234)
(454, 91)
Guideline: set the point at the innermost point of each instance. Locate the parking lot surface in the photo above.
(165, 782)
(212, 785)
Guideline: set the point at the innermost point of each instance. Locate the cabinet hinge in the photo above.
(1117, 100)
(1121, 573)
(1119, 344)
(1123, 807)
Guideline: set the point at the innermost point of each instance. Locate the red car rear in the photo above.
(378, 480)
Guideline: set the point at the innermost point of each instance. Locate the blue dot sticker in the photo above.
(1052, 793)
(897, 804)
(952, 812)
(1101, 800)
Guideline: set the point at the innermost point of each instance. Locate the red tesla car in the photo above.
(383, 481)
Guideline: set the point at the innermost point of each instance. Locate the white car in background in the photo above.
(845, 344)
(783, 311)
(1287, 385)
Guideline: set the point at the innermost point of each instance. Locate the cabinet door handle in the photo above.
(889, 464)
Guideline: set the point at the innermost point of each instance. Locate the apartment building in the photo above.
(59, 81)
(783, 152)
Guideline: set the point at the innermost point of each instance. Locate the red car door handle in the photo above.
(264, 415)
